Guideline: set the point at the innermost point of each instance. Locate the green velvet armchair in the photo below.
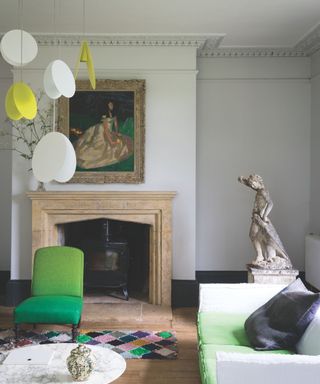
(56, 291)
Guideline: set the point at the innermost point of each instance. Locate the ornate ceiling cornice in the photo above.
(251, 52)
(208, 45)
(132, 40)
(310, 43)
(304, 48)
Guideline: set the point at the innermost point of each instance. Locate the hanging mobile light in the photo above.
(54, 158)
(58, 79)
(85, 54)
(19, 48)
(11, 44)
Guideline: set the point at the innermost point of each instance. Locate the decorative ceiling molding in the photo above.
(208, 45)
(137, 40)
(251, 52)
(305, 47)
(310, 43)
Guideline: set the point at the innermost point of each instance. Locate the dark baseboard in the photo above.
(4, 278)
(17, 291)
(185, 293)
(221, 276)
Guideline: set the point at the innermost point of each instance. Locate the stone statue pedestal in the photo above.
(271, 276)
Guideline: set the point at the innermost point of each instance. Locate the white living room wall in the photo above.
(170, 157)
(315, 144)
(5, 174)
(253, 116)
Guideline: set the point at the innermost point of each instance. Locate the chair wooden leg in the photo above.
(34, 326)
(16, 331)
(74, 332)
(125, 292)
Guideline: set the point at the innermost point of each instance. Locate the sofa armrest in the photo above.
(267, 368)
(235, 298)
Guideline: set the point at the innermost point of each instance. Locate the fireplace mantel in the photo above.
(51, 208)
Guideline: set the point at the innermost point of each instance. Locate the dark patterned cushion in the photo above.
(280, 322)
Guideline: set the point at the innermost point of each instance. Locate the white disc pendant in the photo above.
(70, 163)
(49, 85)
(54, 158)
(11, 44)
(58, 80)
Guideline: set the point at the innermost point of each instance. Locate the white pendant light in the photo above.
(48, 84)
(54, 158)
(58, 80)
(18, 47)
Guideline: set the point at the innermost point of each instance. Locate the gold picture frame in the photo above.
(107, 129)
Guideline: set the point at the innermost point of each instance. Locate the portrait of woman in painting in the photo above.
(102, 144)
(106, 129)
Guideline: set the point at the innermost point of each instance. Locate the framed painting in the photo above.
(106, 128)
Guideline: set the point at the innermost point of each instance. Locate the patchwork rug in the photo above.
(129, 344)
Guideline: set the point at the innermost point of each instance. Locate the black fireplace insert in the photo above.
(106, 261)
(116, 255)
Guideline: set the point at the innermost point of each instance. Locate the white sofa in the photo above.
(226, 364)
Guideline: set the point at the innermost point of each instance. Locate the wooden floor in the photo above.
(184, 370)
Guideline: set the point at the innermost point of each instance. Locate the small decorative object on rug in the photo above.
(130, 344)
(266, 242)
(80, 363)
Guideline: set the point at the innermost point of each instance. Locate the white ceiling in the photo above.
(246, 23)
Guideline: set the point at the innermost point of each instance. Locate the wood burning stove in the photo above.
(106, 260)
(116, 254)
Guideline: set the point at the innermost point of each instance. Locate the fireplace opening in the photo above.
(116, 256)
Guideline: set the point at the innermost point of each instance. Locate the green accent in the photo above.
(222, 328)
(165, 335)
(172, 347)
(83, 338)
(127, 127)
(49, 310)
(139, 351)
(222, 332)
(51, 334)
(58, 271)
(207, 357)
(57, 288)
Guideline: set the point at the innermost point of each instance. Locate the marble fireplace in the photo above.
(51, 209)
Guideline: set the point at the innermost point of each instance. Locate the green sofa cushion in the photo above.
(207, 358)
(222, 328)
(49, 310)
(58, 270)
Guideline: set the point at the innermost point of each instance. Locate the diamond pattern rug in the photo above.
(129, 344)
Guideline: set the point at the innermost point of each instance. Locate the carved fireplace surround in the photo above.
(51, 208)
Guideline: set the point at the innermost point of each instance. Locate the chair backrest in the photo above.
(58, 270)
